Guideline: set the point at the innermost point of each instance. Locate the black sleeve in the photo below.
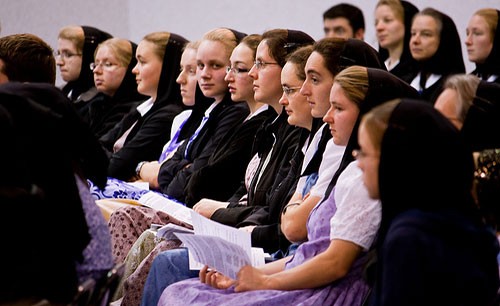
(144, 143)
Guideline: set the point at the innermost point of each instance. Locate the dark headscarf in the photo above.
(406, 61)
(424, 163)
(482, 123)
(358, 52)
(238, 35)
(282, 42)
(169, 91)
(492, 63)
(448, 58)
(103, 112)
(85, 81)
(382, 86)
(128, 87)
(355, 52)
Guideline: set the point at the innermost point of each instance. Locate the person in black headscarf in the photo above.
(223, 115)
(328, 265)
(112, 67)
(483, 44)
(75, 51)
(141, 134)
(435, 45)
(393, 20)
(482, 122)
(432, 247)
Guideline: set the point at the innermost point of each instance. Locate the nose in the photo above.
(283, 100)
(253, 72)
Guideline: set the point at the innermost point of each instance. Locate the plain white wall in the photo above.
(133, 19)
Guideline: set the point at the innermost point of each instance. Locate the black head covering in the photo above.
(406, 60)
(85, 81)
(448, 58)
(297, 39)
(424, 163)
(492, 63)
(382, 86)
(482, 123)
(169, 91)
(239, 35)
(358, 52)
(128, 87)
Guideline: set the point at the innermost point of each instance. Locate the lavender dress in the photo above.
(350, 290)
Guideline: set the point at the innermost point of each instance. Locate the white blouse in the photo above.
(358, 216)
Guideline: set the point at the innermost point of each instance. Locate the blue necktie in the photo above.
(195, 134)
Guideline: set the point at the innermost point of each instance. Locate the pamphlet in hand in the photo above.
(224, 248)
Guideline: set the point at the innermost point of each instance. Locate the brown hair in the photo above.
(27, 58)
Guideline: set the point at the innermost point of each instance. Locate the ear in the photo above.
(360, 34)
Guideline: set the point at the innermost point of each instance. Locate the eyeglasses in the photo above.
(359, 154)
(108, 66)
(65, 54)
(236, 70)
(260, 64)
(290, 90)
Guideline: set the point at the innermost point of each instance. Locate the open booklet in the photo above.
(224, 248)
(219, 246)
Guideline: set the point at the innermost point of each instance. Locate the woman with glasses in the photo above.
(117, 89)
(432, 246)
(329, 57)
(220, 115)
(328, 267)
(226, 167)
(75, 51)
(172, 265)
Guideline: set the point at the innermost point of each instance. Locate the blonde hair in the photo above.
(160, 41)
(120, 47)
(395, 6)
(354, 82)
(74, 34)
(490, 15)
(192, 45)
(225, 36)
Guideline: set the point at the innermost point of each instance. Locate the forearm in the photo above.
(149, 173)
(325, 268)
(274, 266)
(294, 219)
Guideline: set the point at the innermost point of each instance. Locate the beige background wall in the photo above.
(132, 19)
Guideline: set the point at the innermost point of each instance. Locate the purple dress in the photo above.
(350, 290)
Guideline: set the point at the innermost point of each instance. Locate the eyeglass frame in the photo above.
(288, 91)
(64, 55)
(261, 64)
(236, 71)
(108, 66)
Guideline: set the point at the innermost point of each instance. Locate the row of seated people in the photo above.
(281, 149)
